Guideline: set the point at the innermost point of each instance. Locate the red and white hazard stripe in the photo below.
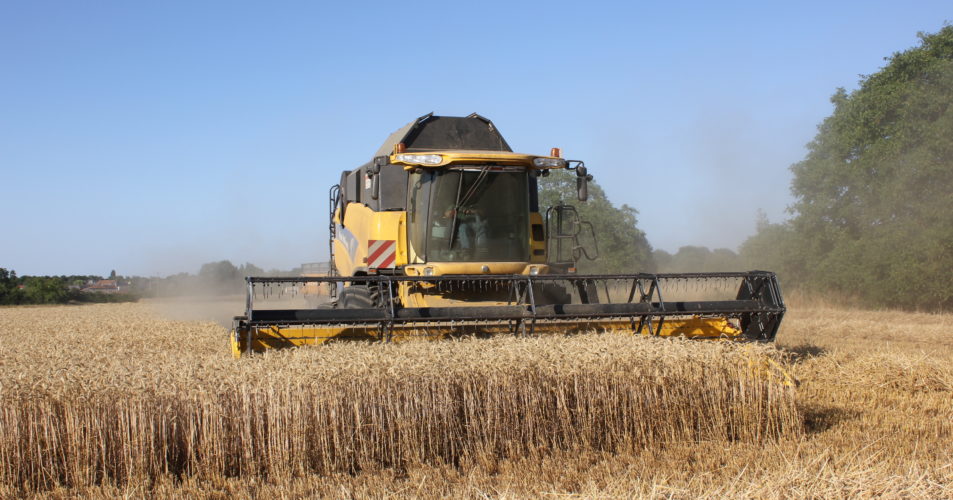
(381, 253)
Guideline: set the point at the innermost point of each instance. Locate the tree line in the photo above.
(16, 290)
(213, 278)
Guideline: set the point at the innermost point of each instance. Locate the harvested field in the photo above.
(111, 400)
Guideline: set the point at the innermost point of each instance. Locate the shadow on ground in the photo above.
(818, 418)
(803, 352)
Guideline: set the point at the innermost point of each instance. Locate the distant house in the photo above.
(103, 286)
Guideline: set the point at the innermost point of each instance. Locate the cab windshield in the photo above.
(469, 214)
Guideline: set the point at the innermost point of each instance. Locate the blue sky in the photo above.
(152, 137)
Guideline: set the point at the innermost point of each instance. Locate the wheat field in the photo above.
(117, 400)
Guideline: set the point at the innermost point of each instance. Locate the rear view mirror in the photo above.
(582, 183)
(374, 173)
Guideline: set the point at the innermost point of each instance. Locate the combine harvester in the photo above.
(441, 234)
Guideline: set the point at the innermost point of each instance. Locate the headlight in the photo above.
(428, 271)
(533, 271)
(420, 159)
(549, 162)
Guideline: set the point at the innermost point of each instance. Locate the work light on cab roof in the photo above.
(412, 159)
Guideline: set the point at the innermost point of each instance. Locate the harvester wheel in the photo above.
(552, 294)
(355, 297)
(588, 293)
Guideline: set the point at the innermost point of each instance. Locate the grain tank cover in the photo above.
(434, 133)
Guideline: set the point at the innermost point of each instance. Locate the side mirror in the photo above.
(376, 186)
(582, 183)
(374, 172)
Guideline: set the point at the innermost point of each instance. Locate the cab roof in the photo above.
(442, 133)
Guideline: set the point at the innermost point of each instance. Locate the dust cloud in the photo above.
(218, 309)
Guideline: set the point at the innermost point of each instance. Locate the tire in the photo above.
(549, 294)
(355, 297)
(588, 293)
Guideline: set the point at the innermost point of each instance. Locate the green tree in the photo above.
(45, 290)
(249, 269)
(724, 259)
(217, 272)
(623, 247)
(774, 247)
(220, 277)
(691, 258)
(664, 261)
(9, 288)
(698, 259)
(873, 214)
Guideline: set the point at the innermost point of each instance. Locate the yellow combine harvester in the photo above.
(441, 234)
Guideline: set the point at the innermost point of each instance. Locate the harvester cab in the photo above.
(441, 233)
